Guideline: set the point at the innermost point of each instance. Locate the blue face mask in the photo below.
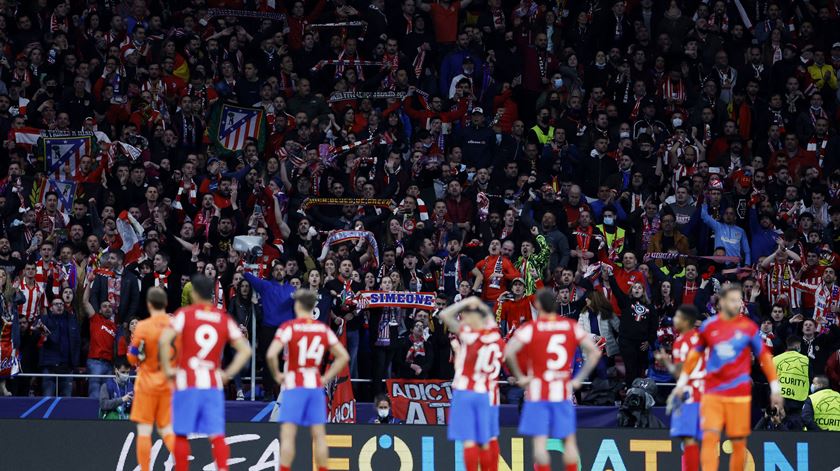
(609, 220)
(558, 83)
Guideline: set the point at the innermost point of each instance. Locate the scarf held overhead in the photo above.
(344, 236)
(378, 202)
(673, 256)
(348, 96)
(400, 299)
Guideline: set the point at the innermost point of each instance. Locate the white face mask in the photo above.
(813, 389)
(677, 122)
(383, 413)
(122, 377)
(624, 135)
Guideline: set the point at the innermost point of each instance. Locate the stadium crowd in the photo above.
(631, 155)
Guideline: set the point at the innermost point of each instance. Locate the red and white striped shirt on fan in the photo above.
(203, 332)
(306, 342)
(778, 284)
(550, 346)
(35, 302)
(478, 361)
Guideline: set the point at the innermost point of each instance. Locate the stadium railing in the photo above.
(251, 379)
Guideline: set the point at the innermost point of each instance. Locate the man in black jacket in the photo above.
(119, 286)
(595, 169)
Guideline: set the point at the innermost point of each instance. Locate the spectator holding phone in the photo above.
(116, 394)
(382, 404)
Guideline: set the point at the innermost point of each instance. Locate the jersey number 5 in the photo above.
(557, 346)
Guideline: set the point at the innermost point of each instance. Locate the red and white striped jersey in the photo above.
(494, 380)
(35, 302)
(550, 345)
(778, 283)
(307, 342)
(478, 361)
(684, 344)
(825, 297)
(203, 332)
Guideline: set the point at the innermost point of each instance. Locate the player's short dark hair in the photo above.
(202, 286)
(306, 298)
(793, 342)
(690, 312)
(156, 297)
(547, 300)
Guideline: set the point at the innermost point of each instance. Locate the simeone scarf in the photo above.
(378, 202)
(673, 256)
(400, 299)
(344, 236)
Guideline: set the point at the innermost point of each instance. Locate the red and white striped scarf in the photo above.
(56, 23)
(162, 279)
(390, 80)
(498, 18)
(409, 23)
(190, 189)
(635, 113)
(219, 296)
(418, 62)
(339, 68)
(818, 146)
(418, 347)
(43, 272)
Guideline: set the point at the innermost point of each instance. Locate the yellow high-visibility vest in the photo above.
(542, 137)
(792, 369)
(826, 404)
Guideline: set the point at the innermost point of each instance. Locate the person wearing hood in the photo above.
(763, 234)
(117, 393)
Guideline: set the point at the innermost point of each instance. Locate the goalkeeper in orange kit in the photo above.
(153, 392)
(731, 340)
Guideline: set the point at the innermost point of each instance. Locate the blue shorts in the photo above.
(303, 406)
(551, 419)
(198, 411)
(494, 421)
(685, 421)
(470, 417)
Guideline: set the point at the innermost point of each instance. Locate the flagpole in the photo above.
(253, 355)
